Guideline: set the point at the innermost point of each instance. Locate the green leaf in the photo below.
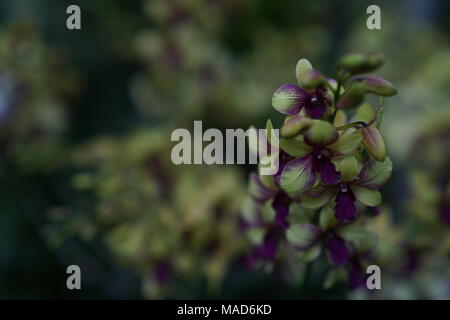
(369, 197)
(346, 143)
(303, 236)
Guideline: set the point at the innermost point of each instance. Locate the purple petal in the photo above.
(289, 99)
(298, 175)
(284, 158)
(260, 193)
(268, 248)
(317, 105)
(345, 206)
(357, 277)
(339, 252)
(281, 205)
(328, 172)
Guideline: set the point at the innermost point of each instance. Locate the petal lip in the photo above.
(289, 99)
(328, 173)
(338, 250)
(281, 204)
(345, 206)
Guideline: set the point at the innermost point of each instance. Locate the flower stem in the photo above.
(353, 124)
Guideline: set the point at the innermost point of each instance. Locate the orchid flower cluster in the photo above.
(332, 163)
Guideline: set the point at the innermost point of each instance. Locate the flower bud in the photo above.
(294, 125)
(352, 96)
(378, 85)
(321, 133)
(374, 143)
(311, 79)
(361, 63)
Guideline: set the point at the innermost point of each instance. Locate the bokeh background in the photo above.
(85, 123)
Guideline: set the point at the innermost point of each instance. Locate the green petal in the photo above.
(318, 202)
(335, 275)
(340, 119)
(297, 175)
(369, 197)
(348, 166)
(327, 219)
(375, 173)
(310, 254)
(303, 66)
(346, 143)
(295, 147)
(303, 236)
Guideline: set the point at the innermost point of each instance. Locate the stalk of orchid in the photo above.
(332, 163)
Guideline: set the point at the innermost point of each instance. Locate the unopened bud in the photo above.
(352, 96)
(361, 63)
(374, 143)
(294, 125)
(321, 133)
(378, 85)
